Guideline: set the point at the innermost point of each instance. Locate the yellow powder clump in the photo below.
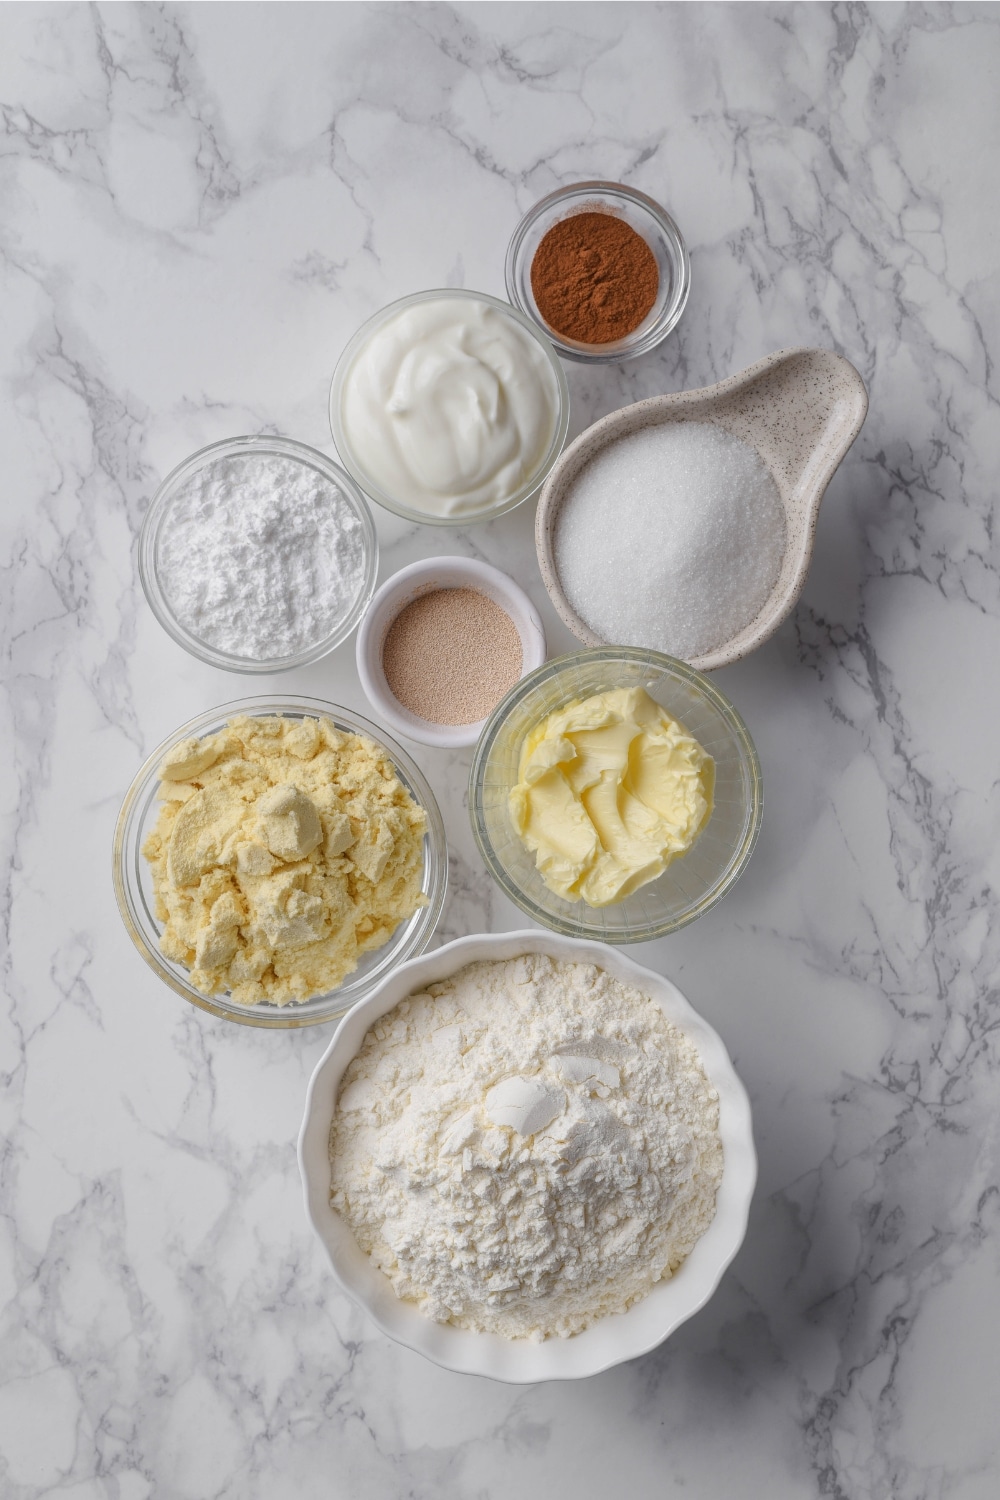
(285, 849)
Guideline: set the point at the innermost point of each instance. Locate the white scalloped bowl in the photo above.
(610, 1341)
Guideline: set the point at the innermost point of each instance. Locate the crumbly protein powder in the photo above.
(671, 538)
(285, 849)
(260, 555)
(526, 1147)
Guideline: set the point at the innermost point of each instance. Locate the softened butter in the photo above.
(610, 790)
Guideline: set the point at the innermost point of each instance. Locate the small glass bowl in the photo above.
(531, 485)
(412, 582)
(693, 883)
(647, 218)
(134, 884)
(158, 513)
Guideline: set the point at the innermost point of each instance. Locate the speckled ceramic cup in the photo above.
(800, 409)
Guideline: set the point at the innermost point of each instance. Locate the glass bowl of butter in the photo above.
(615, 793)
(277, 857)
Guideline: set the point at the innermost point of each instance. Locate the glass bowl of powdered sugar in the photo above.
(258, 554)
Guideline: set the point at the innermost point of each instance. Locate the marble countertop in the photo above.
(199, 205)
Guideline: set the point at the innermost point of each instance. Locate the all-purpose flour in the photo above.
(526, 1147)
(260, 555)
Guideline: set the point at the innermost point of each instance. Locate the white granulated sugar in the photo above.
(671, 538)
(260, 555)
(526, 1147)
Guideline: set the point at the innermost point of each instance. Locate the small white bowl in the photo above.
(411, 583)
(610, 1341)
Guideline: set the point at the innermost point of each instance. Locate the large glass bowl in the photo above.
(157, 518)
(134, 884)
(692, 884)
(649, 220)
(352, 463)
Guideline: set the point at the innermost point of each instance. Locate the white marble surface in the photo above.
(198, 204)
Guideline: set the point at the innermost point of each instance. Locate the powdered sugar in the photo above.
(671, 538)
(260, 555)
(526, 1147)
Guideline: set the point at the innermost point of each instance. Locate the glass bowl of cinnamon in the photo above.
(602, 269)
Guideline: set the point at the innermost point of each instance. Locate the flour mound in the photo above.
(526, 1147)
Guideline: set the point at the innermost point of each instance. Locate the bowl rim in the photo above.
(665, 665)
(158, 511)
(611, 1340)
(126, 852)
(635, 343)
(410, 583)
(368, 485)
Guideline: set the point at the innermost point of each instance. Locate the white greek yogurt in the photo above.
(449, 407)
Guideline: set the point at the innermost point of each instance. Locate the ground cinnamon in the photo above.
(594, 278)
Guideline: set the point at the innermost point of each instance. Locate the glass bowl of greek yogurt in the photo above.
(448, 407)
(258, 554)
(691, 883)
(135, 882)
